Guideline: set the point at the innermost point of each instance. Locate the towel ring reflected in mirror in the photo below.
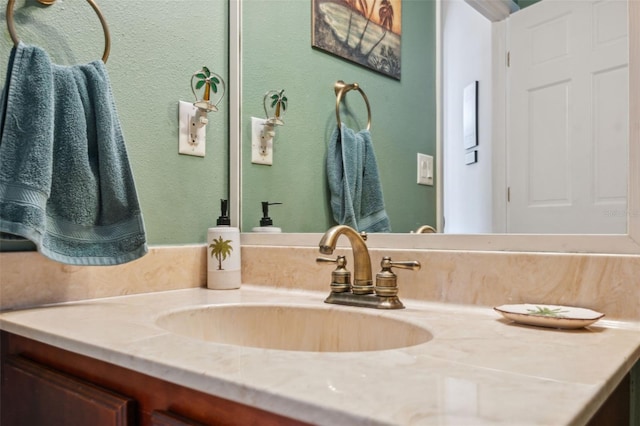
(341, 88)
(103, 21)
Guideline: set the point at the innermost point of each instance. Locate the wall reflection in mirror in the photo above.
(552, 124)
(403, 116)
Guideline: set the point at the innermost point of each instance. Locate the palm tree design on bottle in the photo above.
(209, 81)
(221, 249)
(280, 102)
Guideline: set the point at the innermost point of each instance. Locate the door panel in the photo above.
(36, 395)
(568, 117)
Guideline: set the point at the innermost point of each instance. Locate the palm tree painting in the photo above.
(367, 32)
(221, 249)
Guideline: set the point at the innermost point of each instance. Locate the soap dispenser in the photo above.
(223, 253)
(266, 224)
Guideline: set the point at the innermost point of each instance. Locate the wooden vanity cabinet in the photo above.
(44, 385)
(616, 410)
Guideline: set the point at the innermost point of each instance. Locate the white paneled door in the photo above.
(567, 123)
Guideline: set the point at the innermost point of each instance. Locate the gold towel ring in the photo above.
(105, 27)
(341, 88)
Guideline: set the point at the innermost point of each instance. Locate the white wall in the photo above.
(467, 47)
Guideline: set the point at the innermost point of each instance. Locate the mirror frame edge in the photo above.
(439, 121)
(590, 243)
(235, 111)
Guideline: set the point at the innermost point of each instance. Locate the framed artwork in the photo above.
(366, 32)
(470, 115)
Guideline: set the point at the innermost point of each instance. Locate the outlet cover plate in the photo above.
(261, 150)
(425, 169)
(191, 137)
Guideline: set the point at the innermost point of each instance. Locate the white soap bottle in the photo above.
(223, 253)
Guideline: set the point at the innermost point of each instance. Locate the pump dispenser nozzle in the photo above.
(223, 219)
(266, 220)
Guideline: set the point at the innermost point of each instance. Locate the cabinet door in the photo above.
(165, 418)
(33, 394)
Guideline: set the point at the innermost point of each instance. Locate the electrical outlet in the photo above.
(261, 143)
(191, 134)
(425, 169)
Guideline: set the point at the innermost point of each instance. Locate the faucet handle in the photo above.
(340, 277)
(414, 265)
(387, 281)
(329, 260)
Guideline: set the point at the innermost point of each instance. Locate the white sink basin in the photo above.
(294, 328)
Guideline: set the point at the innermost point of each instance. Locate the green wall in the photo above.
(277, 54)
(156, 47)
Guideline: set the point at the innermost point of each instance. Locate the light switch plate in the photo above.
(425, 169)
(191, 136)
(261, 150)
(471, 157)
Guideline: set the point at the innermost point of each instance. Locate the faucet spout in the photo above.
(362, 278)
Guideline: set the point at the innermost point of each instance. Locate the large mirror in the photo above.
(625, 242)
(403, 113)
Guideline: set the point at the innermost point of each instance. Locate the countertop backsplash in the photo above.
(605, 283)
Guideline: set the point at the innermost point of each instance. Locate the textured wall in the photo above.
(277, 54)
(156, 46)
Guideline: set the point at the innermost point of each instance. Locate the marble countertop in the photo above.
(478, 368)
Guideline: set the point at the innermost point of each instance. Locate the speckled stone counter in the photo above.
(478, 368)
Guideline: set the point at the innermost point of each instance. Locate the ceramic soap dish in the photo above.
(554, 316)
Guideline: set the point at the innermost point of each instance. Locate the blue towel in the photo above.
(356, 192)
(65, 179)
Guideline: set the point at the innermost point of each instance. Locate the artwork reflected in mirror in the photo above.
(367, 32)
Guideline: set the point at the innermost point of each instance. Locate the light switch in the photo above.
(191, 134)
(425, 169)
(471, 157)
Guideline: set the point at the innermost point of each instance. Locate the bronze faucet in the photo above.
(363, 283)
(362, 292)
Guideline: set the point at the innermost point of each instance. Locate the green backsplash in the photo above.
(155, 48)
(277, 54)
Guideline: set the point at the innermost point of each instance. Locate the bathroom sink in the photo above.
(294, 328)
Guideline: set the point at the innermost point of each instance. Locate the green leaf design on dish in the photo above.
(547, 312)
